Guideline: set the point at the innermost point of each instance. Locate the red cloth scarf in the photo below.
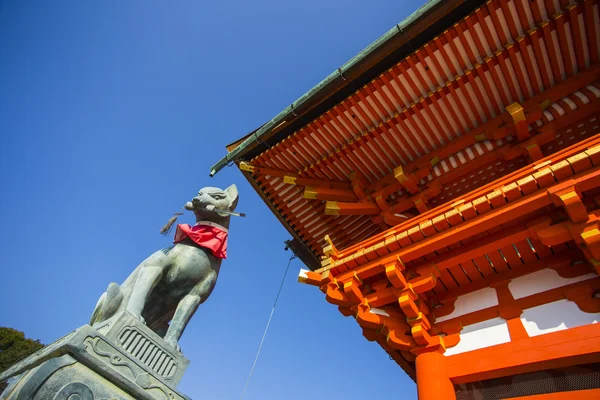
(205, 234)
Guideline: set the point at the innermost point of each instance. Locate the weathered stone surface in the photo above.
(121, 359)
(145, 346)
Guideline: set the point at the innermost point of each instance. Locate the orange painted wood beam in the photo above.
(590, 31)
(589, 394)
(408, 181)
(511, 211)
(581, 293)
(538, 170)
(542, 138)
(521, 119)
(547, 132)
(529, 112)
(384, 99)
(406, 203)
(341, 208)
(396, 117)
(574, 346)
(473, 250)
(292, 178)
(455, 31)
(324, 193)
(505, 237)
(517, 114)
(556, 262)
(575, 25)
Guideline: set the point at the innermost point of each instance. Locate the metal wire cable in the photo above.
(267, 327)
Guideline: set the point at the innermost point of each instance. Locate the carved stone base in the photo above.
(118, 359)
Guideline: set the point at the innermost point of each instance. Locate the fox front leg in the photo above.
(188, 306)
(148, 278)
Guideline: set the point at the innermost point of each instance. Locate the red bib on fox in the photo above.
(205, 234)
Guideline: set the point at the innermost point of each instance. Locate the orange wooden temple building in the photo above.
(443, 188)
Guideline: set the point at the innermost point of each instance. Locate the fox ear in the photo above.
(233, 196)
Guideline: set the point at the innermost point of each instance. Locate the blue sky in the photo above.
(111, 114)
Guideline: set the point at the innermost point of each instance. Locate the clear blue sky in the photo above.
(111, 114)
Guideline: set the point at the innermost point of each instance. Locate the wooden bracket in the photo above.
(408, 305)
(393, 271)
(426, 280)
(335, 295)
(591, 239)
(420, 201)
(352, 290)
(534, 151)
(584, 297)
(517, 115)
(358, 184)
(329, 250)
(406, 180)
(569, 197)
(399, 341)
(423, 338)
(396, 337)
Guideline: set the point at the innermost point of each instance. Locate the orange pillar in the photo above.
(432, 379)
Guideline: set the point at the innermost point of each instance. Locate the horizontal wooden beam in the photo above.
(538, 170)
(498, 127)
(292, 178)
(324, 193)
(478, 225)
(547, 132)
(574, 346)
(393, 119)
(564, 259)
(340, 208)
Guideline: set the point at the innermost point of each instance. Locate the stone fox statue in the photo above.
(169, 285)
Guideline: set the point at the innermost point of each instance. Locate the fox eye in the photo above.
(217, 196)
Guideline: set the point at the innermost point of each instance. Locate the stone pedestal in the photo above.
(120, 358)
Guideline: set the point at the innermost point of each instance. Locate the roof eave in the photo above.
(431, 16)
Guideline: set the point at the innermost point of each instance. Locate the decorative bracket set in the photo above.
(388, 283)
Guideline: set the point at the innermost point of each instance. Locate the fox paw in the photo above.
(173, 344)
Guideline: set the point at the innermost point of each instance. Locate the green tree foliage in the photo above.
(14, 346)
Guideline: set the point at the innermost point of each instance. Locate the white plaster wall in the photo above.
(556, 316)
(542, 281)
(483, 334)
(474, 301)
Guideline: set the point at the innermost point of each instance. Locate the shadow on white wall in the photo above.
(556, 316)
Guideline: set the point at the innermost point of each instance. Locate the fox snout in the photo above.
(203, 203)
(200, 199)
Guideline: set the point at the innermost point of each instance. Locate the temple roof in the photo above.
(453, 98)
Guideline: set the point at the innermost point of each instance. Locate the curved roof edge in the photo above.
(428, 21)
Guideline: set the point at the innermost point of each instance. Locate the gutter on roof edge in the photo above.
(324, 85)
(305, 255)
